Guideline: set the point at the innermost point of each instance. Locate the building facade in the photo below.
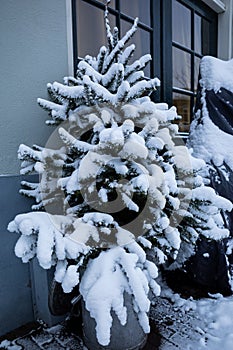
(40, 42)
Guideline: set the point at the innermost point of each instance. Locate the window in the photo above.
(90, 31)
(177, 33)
(192, 34)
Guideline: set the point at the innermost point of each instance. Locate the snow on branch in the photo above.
(115, 37)
(117, 49)
(137, 65)
(127, 54)
(28, 153)
(122, 92)
(74, 92)
(71, 141)
(87, 69)
(135, 77)
(57, 111)
(31, 190)
(141, 87)
(114, 76)
(101, 93)
(108, 29)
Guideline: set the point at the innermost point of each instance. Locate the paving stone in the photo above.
(42, 337)
(53, 345)
(64, 337)
(27, 343)
(74, 344)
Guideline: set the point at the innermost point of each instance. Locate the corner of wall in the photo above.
(225, 35)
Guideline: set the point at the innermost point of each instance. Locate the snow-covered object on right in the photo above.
(211, 132)
(211, 138)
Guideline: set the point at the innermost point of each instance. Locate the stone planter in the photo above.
(128, 337)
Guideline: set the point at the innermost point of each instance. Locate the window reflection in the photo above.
(137, 8)
(181, 24)
(90, 21)
(197, 24)
(202, 35)
(181, 69)
(205, 37)
(182, 103)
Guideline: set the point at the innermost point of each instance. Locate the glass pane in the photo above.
(137, 8)
(202, 35)
(181, 24)
(142, 41)
(182, 103)
(181, 69)
(196, 72)
(91, 37)
(205, 37)
(198, 38)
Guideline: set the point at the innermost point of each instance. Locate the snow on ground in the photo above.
(204, 324)
(209, 322)
(218, 321)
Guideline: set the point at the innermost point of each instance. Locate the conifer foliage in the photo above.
(114, 187)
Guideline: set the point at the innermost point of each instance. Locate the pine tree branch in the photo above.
(27, 153)
(113, 78)
(135, 77)
(127, 54)
(122, 92)
(137, 65)
(117, 49)
(71, 141)
(73, 92)
(108, 29)
(142, 87)
(100, 58)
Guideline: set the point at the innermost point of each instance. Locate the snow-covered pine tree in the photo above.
(116, 187)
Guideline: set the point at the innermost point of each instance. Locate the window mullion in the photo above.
(166, 54)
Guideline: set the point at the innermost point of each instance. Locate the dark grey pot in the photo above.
(128, 337)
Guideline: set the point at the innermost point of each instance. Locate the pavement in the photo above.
(172, 327)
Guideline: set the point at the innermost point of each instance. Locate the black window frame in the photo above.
(161, 43)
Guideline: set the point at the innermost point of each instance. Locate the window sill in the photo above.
(217, 5)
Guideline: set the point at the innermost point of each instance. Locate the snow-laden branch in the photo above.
(127, 54)
(120, 45)
(137, 65)
(108, 29)
(142, 86)
(74, 92)
(25, 152)
(79, 146)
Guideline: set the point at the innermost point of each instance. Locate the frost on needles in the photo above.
(115, 188)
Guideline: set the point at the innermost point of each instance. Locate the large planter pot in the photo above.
(128, 337)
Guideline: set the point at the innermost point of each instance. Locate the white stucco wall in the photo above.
(33, 52)
(225, 21)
